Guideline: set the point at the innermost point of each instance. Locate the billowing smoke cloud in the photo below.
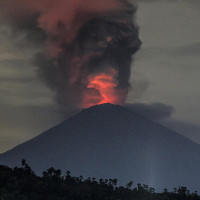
(88, 46)
(154, 111)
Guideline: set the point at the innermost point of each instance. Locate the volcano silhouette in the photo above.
(109, 141)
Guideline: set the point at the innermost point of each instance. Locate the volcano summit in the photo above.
(109, 141)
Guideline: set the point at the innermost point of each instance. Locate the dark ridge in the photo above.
(111, 141)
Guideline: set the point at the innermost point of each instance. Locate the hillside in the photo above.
(111, 141)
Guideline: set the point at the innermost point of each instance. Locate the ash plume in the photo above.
(154, 111)
(88, 46)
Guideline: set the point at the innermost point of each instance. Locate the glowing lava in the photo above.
(101, 88)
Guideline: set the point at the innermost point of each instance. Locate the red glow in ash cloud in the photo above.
(86, 46)
(102, 89)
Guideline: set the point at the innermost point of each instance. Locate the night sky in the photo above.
(165, 70)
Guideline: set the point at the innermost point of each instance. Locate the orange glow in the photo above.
(101, 89)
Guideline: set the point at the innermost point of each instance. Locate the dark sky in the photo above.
(166, 70)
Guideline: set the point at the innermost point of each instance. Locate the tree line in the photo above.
(21, 183)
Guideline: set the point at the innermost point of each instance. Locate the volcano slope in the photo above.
(109, 141)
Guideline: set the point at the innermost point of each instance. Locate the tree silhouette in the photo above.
(23, 184)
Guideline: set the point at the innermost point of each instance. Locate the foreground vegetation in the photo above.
(23, 184)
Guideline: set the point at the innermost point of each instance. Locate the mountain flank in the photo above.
(110, 141)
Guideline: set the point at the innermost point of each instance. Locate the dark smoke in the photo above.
(81, 39)
(154, 111)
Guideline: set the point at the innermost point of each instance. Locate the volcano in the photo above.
(110, 141)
